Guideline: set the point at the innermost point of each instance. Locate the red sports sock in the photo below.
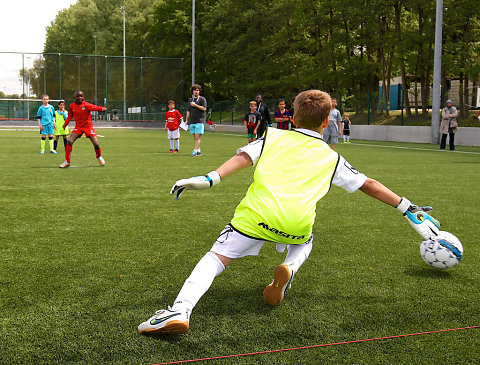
(68, 152)
(98, 152)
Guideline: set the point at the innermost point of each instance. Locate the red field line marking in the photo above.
(315, 346)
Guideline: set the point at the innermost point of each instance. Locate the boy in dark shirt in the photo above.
(252, 121)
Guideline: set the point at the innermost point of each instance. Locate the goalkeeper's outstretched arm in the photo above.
(381, 192)
(236, 163)
(422, 222)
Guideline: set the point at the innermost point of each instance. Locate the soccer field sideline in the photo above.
(362, 143)
(434, 149)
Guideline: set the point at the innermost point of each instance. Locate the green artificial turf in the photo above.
(89, 252)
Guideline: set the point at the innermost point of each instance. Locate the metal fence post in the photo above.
(60, 76)
(368, 112)
(44, 75)
(401, 107)
(106, 82)
(141, 88)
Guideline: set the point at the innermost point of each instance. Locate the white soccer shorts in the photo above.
(233, 244)
(173, 134)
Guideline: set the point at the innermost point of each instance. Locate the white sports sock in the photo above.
(348, 138)
(177, 142)
(344, 138)
(171, 144)
(199, 281)
(297, 255)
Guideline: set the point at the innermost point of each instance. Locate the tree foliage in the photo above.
(279, 47)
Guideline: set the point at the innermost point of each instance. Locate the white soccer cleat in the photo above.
(53, 152)
(166, 321)
(101, 161)
(64, 164)
(282, 280)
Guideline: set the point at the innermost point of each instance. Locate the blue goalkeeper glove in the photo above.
(195, 183)
(422, 222)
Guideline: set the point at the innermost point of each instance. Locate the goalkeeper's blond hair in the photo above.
(312, 107)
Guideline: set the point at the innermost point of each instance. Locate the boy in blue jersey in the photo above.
(46, 123)
(294, 170)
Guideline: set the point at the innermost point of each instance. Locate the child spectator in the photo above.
(46, 123)
(172, 122)
(282, 117)
(346, 128)
(252, 121)
(60, 118)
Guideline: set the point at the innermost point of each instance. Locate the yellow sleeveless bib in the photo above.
(293, 173)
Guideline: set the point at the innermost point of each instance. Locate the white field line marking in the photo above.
(414, 148)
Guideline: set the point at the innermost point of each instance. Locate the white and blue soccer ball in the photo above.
(443, 251)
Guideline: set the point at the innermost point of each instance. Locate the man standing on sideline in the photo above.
(262, 108)
(333, 130)
(197, 107)
(449, 126)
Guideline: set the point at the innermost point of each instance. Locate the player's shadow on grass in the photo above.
(427, 272)
(224, 301)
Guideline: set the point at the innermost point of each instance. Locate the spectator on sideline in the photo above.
(197, 106)
(346, 128)
(282, 116)
(173, 118)
(331, 133)
(291, 112)
(262, 108)
(448, 126)
(252, 121)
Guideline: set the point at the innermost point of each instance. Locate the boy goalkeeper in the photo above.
(294, 170)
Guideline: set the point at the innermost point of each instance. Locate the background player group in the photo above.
(294, 170)
(255, 122)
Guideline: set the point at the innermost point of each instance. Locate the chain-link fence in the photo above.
(130, 87)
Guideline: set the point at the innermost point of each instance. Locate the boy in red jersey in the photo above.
(80, 110)
(173, 118)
